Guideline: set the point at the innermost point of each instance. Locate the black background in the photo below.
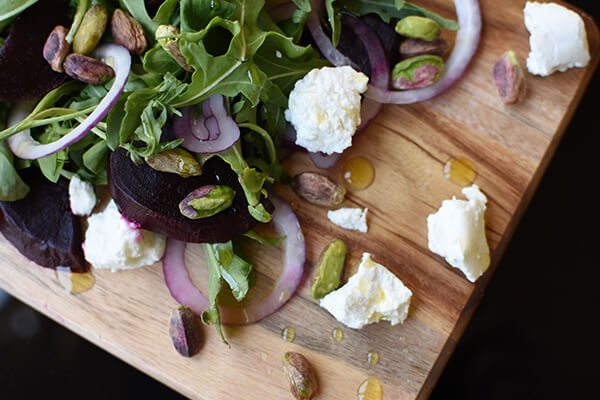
(533, 336)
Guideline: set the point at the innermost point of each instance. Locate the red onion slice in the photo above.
(178, 280)
(26, 147)
(467, 40)
(212, 131)
(183, 290)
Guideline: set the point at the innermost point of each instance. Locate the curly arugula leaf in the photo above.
(12, 187)
(196, 14)
(224, 265)
(334, 16)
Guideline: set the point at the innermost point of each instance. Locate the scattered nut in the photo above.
(57, 48)
(318, 189)
(87, 69)
(303, 382)
(127, 32)
(418, 28)
(166, 36)
(417, 72)
(509, 78)
(176, 161)
(417, 47)
(91, 29)
(185, 331)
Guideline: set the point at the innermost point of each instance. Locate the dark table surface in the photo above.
(533, 335)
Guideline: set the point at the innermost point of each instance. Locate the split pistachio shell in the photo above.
(417, 72)
(207, 201)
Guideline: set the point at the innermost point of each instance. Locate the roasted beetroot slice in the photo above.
(42, 227)
(353, 47)
(24, 74)
(151, 199)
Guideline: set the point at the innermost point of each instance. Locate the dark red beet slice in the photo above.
(41, 226)
(24, 74)
(151, 199)
(352, 46)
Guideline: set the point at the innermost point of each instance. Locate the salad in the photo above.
(185, 110)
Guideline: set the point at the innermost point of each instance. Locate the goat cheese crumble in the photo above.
(558, 39)
(81, 196)
(113, 242)
(457, 233)
(354, 219)
(371, 295)
(324, 108)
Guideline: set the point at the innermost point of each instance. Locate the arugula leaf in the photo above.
(12, 8)
(388, 9)
(12, 187)
(158, 61)
(137, 9)
(52, 165)
(224, 265)
(196, 14)
(334, 16)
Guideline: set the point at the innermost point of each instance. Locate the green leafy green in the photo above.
(12, 187)
(196, 14)
(224, 265)
(158, 61)
(388, 9)
(334, 16)
(11, 8)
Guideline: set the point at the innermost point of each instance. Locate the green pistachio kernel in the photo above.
(329, 269)
(418, 28)
(91, 29)
(417, 72)
(176, 161)
(207, 201)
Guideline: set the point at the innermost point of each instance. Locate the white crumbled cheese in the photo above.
(354, 219)
(457, 233)
(81, 196)
(558, 39)
(324, 108)
(372, 294)
(113, 242)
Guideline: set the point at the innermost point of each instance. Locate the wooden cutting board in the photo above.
(127, 313)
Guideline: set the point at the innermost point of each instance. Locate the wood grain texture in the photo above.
(127, 313)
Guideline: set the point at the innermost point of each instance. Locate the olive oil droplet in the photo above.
(370, 389)
(358, 173)
(337, 334)
(74, 283)
(460, 170)
(288, 334)
(372, 358)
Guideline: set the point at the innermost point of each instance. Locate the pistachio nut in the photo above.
(185, 332)
(303, 381)
(176, 161)
(328, 275)
(167, 37)
(417, 47)
(318, 189)
(57, 48)
(417, 72)
(509, 78)
(87, 69)
(127, 32)
(418, 28)
(206, 201)
(91, 29)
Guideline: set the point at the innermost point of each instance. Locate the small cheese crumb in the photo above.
(558, 39)
(354, 219)
(371, 295)
(324, 108)
(81, 196)
(113, 242)
(457, 233)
